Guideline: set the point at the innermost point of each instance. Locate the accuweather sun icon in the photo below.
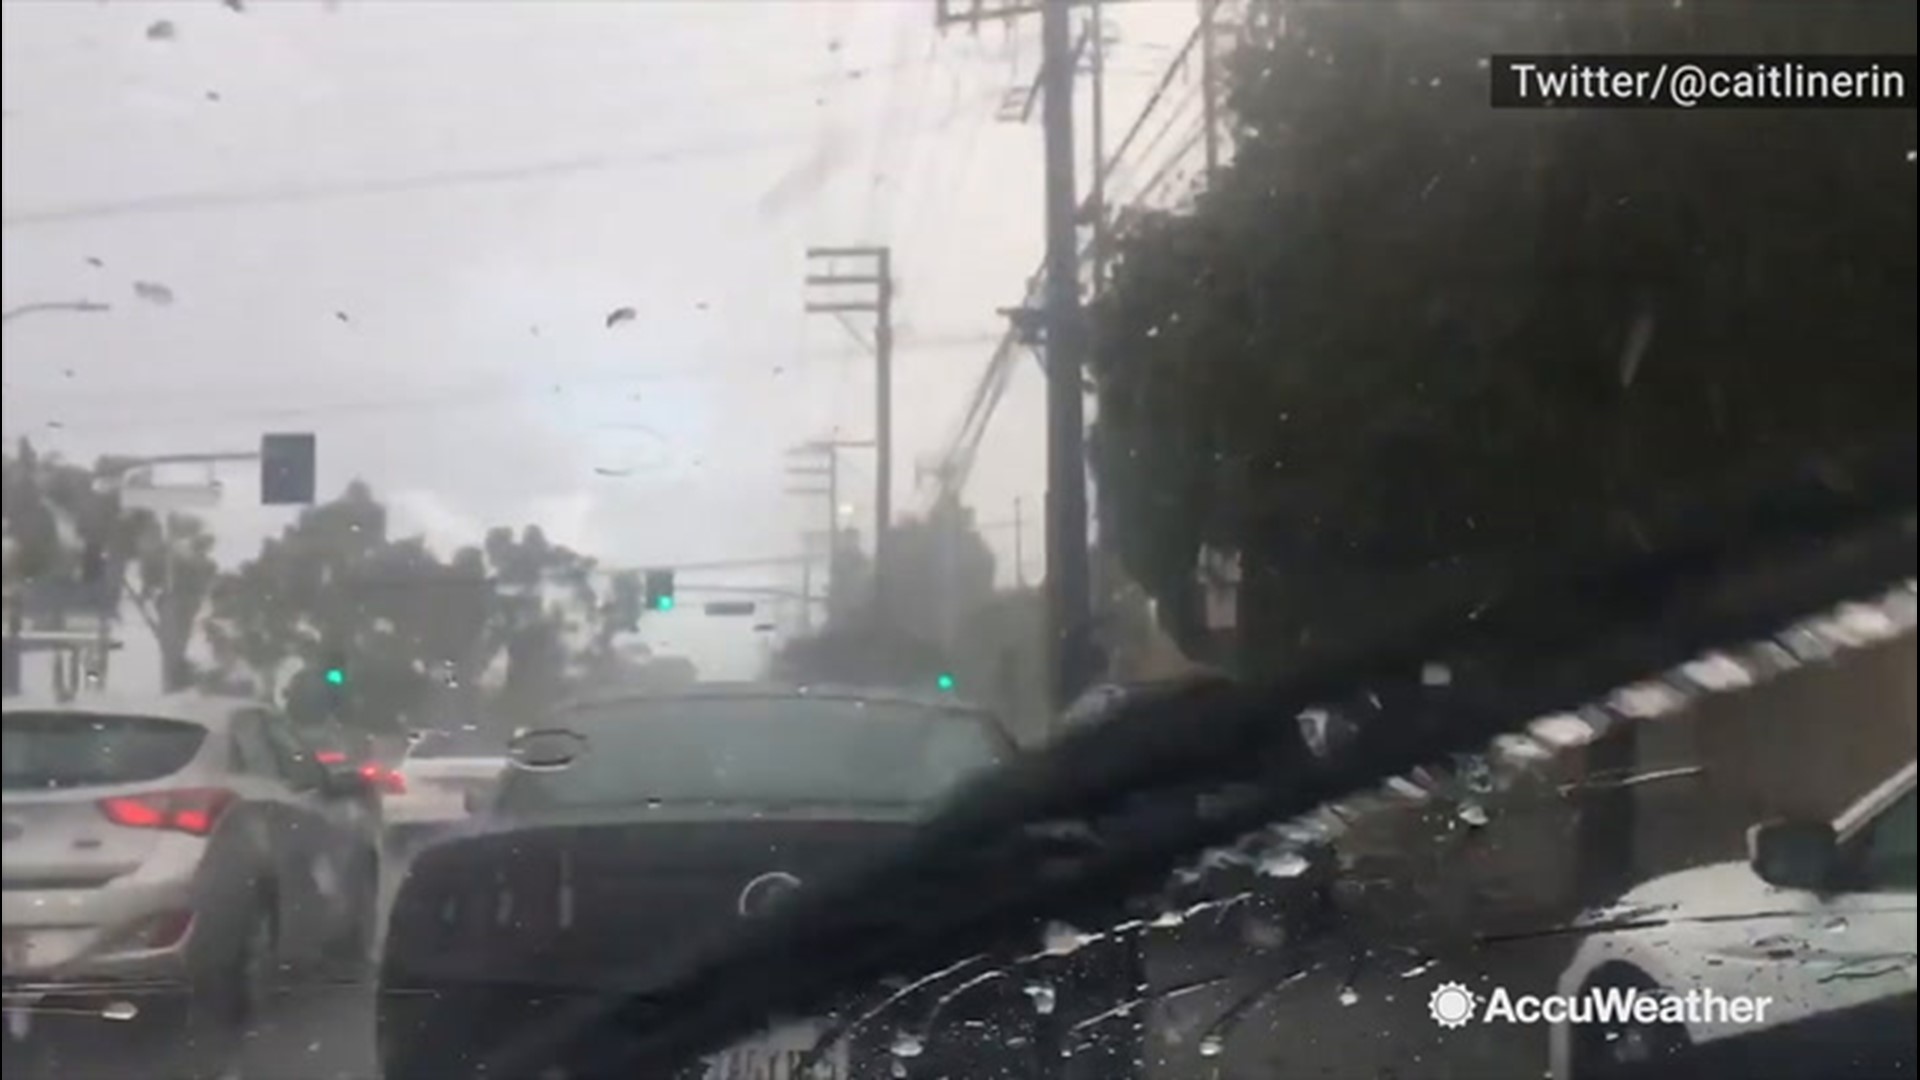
(1451, 1005)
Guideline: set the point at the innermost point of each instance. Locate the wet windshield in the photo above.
(989, 539)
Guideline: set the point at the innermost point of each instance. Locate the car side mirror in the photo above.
(1794, 854)
(545, 749)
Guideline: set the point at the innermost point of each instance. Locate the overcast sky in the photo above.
(401, 224)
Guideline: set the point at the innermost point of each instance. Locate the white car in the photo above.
(442, 777)
(1820, 922)
(167, 857)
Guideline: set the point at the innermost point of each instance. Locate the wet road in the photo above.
(316, 1032)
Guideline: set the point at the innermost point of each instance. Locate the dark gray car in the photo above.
(635, 831)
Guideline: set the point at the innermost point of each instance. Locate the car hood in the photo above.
(1715, 891)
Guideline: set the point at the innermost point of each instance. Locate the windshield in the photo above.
(1265, 526)
(68, 750)
(761, 750)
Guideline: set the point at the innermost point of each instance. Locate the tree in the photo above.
(417, 633)
(176, 576)
(939, 571)
(939, 574)
(74, 543)
(1405, 339)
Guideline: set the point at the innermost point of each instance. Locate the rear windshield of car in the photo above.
(68, 750)
(771, 750)
(457, 744)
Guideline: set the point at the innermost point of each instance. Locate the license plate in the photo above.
(779, 1055)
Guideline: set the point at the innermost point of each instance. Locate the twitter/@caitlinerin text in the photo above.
(1701, 82)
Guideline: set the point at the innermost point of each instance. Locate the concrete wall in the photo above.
(1806, 744)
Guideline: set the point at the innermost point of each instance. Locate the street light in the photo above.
(84, 307)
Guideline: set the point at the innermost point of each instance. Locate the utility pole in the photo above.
(1097, 195)
(1209, 85)
(876, 283)
(806, 567)
(825, 465)
(818, 460)
(1019, 545)
(1068, 577)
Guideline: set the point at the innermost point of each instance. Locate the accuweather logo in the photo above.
(1452, 1005)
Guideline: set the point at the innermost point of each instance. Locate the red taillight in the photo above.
(192, 810)
(388, 781)
(330, 757)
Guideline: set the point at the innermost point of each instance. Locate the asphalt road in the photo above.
(316, 1032)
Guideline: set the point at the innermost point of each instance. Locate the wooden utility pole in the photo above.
(875, 297)
(1097, 151)
(1068, 575)
(1019, 545)
(820, 460)
(1210, 85)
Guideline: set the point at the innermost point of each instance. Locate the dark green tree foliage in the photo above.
(1406, 337)
(415, 631)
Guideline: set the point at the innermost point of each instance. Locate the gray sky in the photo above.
(400, 224)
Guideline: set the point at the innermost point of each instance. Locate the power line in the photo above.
(291, 194)
(956, 460)
(435, 400)
(1167, 77)
(194, 201)
(1167, 169)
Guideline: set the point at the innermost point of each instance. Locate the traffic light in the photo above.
(333, 694)
(288, 473)
(944, 682)
(660, 590)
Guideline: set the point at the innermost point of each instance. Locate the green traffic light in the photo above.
(336, 677)
(945, 682)
(665, 603)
